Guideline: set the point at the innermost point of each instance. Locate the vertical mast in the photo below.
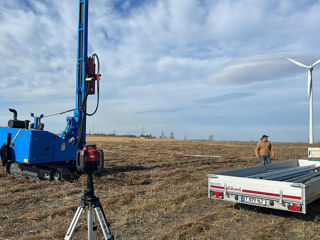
(81, 70)
(86, 77)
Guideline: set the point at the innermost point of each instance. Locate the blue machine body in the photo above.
(37, 147)
(32, 146)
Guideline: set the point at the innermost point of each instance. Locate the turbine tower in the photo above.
(310, 68)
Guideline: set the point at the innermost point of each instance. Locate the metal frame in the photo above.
(91, 202)
(91, 226)
(284, 183)
(76, 125)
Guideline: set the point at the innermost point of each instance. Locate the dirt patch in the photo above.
(155, 190)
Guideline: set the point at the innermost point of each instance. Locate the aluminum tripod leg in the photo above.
(92, 230)
(103, 222)
(90, 222)
(90, 201)
(74, 223)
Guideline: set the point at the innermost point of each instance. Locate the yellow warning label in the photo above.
(26, 160)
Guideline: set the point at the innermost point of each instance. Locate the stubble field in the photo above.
(154, 191)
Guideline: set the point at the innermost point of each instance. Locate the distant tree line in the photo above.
(148, 136)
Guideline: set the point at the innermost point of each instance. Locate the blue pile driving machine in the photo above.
(27, 149)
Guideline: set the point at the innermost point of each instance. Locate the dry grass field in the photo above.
(154, 191)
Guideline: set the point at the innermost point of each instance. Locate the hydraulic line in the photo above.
(98, 91)
(50, 115)
(84, 102)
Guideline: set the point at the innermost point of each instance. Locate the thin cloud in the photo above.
(227, 97)
(169, 110)
(257, 69)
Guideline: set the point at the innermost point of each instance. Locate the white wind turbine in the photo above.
(310, 68)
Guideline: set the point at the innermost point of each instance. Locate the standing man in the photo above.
(263, 150)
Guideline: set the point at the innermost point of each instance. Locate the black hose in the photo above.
(98, 62)
(70, 110)
(97, 106)
(83, 106)
(98, 91)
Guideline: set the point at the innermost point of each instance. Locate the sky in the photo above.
(192, 67)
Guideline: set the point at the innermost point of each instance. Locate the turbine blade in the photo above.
(298, 63)
(309, 82)
(315, 63)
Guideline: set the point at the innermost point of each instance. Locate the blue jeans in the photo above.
(265, 160)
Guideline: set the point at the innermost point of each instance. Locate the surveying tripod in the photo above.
(91, 202)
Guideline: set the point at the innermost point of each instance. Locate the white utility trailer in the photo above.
(289, 185)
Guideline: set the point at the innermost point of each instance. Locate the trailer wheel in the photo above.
(56, 176)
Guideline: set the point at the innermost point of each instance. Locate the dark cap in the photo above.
(263, 136)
